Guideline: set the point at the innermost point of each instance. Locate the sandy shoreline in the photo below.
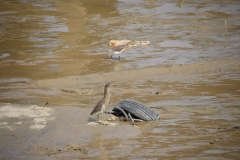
(80, 90)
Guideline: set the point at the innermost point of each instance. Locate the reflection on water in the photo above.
(4, 55)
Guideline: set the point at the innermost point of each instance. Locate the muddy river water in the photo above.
(54, 63)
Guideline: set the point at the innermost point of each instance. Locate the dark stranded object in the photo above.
(136, 109)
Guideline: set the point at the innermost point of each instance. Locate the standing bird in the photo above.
(114, 43)
(121, 48)
(100, 107)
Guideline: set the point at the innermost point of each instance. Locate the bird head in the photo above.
(107, 85)
(112, 43)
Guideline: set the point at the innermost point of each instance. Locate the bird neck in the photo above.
(106, 93)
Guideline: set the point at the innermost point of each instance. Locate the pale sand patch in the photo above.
(13, 116)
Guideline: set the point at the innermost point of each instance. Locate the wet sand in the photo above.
(187, 129)
(54, 65)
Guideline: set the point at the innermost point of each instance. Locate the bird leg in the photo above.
(97, 116)
(102, 115)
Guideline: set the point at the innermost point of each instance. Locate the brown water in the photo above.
(56, 52)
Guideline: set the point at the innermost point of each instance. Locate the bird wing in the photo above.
(118, 48)
(98, 107)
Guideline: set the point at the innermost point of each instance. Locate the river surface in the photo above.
(54, 64)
